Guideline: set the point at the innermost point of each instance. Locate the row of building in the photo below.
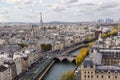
(103, 62)
(12, 65)
(59, 36)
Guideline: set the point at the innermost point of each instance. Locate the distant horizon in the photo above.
(54, 21)
(46, 22)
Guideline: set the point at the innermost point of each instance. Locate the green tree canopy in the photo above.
(23, 45)
(46, 47)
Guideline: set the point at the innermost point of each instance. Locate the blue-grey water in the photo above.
(59, 68)
(76, 52)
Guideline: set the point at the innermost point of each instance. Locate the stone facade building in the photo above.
(103, 62)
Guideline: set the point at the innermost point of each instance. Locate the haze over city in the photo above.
(58, 10)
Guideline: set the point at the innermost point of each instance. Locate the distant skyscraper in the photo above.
(41, 21)
(100, 20)
(109, 20)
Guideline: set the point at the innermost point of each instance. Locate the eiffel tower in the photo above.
(41, 21)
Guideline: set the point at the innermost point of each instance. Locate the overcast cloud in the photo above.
(58, 10)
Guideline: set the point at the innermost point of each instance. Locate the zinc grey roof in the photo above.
(97, 59)
(88, 62)
(2, 68)
(108, 68)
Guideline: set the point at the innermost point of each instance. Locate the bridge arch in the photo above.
(65, 60)
(73, 61)
(56, 59)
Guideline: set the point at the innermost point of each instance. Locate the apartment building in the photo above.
(103, 62)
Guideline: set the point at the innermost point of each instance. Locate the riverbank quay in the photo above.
(74, 48)
(45, 71)
(37, 70)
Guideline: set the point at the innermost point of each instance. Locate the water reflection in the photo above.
(58, 69)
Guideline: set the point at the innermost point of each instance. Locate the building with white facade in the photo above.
(5, 73)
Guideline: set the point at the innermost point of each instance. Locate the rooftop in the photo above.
(2, 68)
(108, 68)
(88, 62)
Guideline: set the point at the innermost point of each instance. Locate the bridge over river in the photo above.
(41, 71)
(67, 54)
(69, 58)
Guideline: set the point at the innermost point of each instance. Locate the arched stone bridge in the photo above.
(66, 54)
(69, 58)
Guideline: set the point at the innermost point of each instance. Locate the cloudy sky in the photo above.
(58, 10)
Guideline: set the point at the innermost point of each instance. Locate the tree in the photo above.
(108, 34)
(90, 38)
(114, 32)
(104, 35)
(80, 57)
(49, 47)
(23, 45)
(68, 76)
(116, 27)
(86, 41)
(84, 52)
(46, 47)
(91, 44)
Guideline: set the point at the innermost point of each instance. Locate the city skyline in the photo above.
(58, 10)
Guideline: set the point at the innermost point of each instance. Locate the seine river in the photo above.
(59, 68)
